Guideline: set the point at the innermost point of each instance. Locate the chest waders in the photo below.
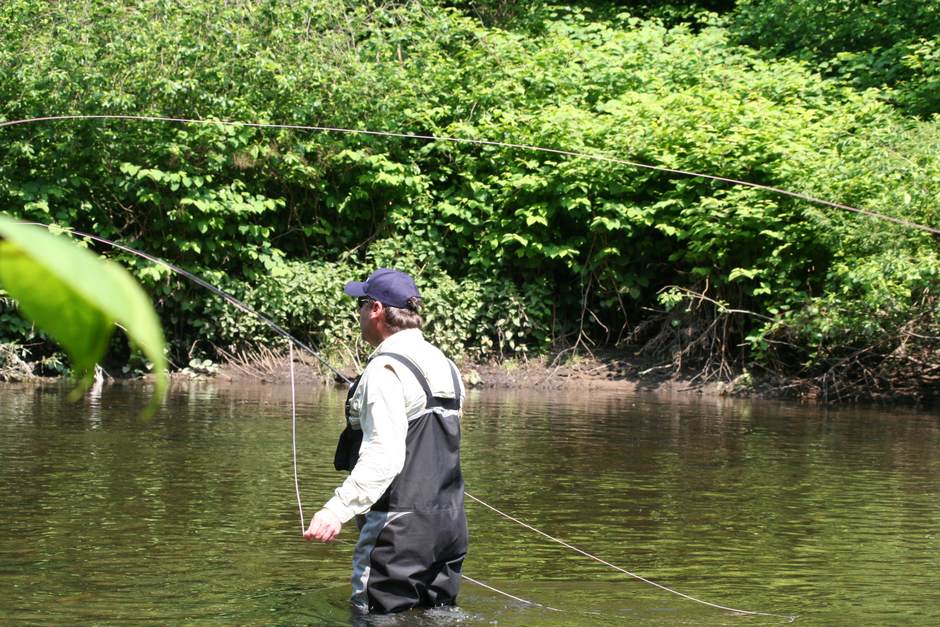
(413, 541)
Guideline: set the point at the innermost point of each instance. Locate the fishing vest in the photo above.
(430, 478)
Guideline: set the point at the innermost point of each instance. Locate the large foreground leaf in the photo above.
(77, 297)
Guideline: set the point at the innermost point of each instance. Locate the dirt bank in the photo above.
(585, 372)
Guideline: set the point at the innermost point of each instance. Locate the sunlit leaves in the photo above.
(77, 298)
(253, 208)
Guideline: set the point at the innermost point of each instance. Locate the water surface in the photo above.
(191, 517)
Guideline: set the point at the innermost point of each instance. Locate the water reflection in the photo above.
(191, 516)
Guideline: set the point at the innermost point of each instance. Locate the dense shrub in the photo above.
(517, 250)
(890, 43)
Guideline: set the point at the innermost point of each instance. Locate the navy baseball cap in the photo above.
(389, 287)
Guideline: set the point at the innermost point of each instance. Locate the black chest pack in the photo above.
(350, 440)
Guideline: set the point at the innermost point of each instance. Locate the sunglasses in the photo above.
(362, 300)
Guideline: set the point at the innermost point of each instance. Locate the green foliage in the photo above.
(306, 298)
(77, 298)
(532, 15)
(869, 44)
(472, 317)
(876, 337)
(514, 249)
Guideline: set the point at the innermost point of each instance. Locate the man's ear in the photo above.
(377, 312)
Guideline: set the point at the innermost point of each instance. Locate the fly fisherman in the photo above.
(402, 446)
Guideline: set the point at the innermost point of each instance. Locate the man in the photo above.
(402, 446)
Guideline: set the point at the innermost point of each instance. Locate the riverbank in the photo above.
(621, 371)
(610, 371)
(600, 370)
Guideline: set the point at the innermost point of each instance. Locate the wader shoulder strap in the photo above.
(350, 440)
(433, 401)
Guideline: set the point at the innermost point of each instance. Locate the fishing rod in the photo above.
(485, 142)
(292, 340)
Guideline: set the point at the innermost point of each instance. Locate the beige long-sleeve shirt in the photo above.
(388, 395)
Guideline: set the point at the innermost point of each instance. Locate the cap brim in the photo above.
(356, 289)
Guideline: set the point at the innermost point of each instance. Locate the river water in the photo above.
(191, 517)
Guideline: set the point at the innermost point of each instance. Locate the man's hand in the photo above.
(324, 526)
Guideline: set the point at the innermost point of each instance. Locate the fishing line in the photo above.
(506, 594)
(291, 340)
(293, 431)
(623, 570)
(202, 283)
(484, 142)
(483, 585)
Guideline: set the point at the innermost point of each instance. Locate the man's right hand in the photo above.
(324, 526)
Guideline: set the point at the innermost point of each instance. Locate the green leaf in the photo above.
(610, 224)
(749, 273)
(77, 298)
(515, 237)
(534, 218)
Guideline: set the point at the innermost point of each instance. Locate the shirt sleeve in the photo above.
(382, 454)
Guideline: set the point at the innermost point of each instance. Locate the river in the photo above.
(829, 516)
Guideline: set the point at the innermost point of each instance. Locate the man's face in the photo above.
(369, 313)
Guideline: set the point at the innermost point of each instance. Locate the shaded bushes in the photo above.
(891, 43)
(517, 251)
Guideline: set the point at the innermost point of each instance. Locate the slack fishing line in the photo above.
(485, 142)
(293, 434)
(459, 140)
(623, 570)
(291, 341)
(482, 585)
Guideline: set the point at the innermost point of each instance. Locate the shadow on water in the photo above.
(191, 517)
